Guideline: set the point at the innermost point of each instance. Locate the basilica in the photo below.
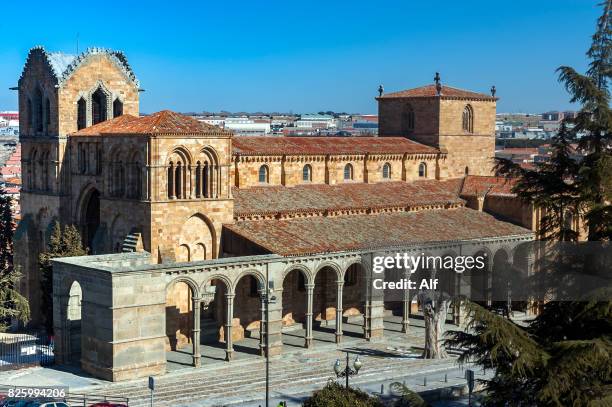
(189, 228)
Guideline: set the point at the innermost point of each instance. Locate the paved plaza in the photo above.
(294, 374)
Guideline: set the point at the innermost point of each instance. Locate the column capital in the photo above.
(309, 286)
(230, 296)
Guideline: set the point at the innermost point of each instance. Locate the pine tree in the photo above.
(12, 304)
(564, 356)
(63, 242)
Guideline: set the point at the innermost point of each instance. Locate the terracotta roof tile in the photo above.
(164, 122)
(274, 200)
(311, 235)
(476, 185)
(326, 145)
(430, 91)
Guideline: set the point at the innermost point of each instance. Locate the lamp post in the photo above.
(268, 298)
(347, 371)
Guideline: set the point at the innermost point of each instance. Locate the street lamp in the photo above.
(347, 371)
(268, 298)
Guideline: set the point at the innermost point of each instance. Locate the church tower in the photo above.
(59, 94)
(460, 123)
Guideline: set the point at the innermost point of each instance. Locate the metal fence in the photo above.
(27, 349)
(12, 395)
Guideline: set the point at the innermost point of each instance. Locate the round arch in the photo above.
(258, 275)
(335, 267)
(308, 276)
(195, 289)
(199, 229)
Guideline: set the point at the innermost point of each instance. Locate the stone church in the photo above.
(187, 225)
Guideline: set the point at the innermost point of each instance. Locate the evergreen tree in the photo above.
(63, 242)
(12, 304)
(562, 357)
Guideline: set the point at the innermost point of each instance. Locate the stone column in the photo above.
(195, 337)
(229, 308)
(309, 296)
(373, 319)
(339, 312)
(191, 183)
(262, 326)
(406, 305)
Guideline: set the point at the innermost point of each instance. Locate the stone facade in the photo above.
(460, 123)
(164, 185)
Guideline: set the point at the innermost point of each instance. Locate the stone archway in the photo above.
(90, 220)
(295, 309)
(197, 240)
(73, 324)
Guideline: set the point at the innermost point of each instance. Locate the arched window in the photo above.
(170, 176)
(178, 180)
(467, 170)
(134, 178)
(468, 119)
(263, 174)
(48, 113)
(99, 106)
(207, 181)
(407, 122)
(422, 170)
(307, 173)
(32, 170)
(117, 108)
(386, 172)
(29, 112)
(348, 172)
(38, 110)
(81, 114)
(45, 171)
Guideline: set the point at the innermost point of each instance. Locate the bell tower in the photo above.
(460, 123)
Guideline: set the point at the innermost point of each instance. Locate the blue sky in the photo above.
(315, 55)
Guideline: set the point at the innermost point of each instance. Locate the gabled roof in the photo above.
(447, 92)
(164, 122)
(320, 198)
(327, 145)
(481, 185)
(319, 234)
(62, 65)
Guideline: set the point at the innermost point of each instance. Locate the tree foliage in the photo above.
(583, 186)
(563, 356)
(335, 395)
(408, 398)
(63, 242)
(12, 304)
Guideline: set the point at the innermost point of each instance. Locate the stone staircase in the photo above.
(239, 382)
(132, 242)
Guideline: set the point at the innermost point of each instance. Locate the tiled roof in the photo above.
(312, 235)
(430, 91)
(476, 185)
(276, 200)
(164, 122)
(326, 145)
